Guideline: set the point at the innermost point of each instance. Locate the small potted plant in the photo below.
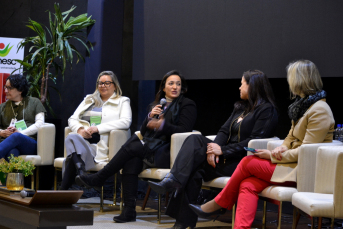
(16, 168)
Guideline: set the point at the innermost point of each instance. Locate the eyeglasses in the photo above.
(8, 88)
(106, 83)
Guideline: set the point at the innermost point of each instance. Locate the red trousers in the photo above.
(251, 176)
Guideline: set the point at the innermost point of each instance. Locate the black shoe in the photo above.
(178, 225)
(197, 209)
(127, 215)
(89, 181)
(168, 184)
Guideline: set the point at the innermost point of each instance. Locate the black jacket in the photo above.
(260, 123)
(187, 118)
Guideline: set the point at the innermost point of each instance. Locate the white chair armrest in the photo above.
(116, 139)
(273, 144)
(211, 137)
(307, 165)
(67, 131)
(139, 135)
(46, 143)
(176, 143)
(260, 143)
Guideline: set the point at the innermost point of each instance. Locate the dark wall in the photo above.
(220, 39)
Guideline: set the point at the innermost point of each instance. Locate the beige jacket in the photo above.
(316, 126)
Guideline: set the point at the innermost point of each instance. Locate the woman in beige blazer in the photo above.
(312, 122)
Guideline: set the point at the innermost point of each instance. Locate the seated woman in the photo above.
(98, 114)
(312, 122)
(199, 158)
(20, 118)
(178, 116)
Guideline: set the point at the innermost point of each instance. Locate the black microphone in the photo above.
(163, 102)
(24, 194)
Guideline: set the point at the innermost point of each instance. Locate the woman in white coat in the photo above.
(91, 123)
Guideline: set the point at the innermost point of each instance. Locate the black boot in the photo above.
(69, 175)
(130, 187)
(168, 184)
(127, 215)
(79, 164)
(98, 179)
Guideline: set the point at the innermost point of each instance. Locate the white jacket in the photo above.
(116, 115)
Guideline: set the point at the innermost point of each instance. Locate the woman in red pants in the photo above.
(312, 122)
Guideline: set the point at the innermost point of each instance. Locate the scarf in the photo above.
(297, 109)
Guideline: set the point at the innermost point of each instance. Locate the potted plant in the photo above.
(16, 168)
(51, 49)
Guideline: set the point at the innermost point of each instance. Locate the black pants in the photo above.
(130, 159)
(190, 168)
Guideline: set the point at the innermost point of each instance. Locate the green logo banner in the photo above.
(4, 52)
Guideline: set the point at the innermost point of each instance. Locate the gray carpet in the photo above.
(145, 219)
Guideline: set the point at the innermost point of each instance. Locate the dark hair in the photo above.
(20, 83)
(259, 92)
(161, 94)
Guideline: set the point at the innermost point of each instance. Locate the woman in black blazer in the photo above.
(177, 116)
(254, 117)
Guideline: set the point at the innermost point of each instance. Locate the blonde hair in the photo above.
(96, 95)
(303, 78)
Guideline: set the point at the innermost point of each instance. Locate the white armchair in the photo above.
(305, 177)
(116, 139)
(45, 150)
(158, 174)
(327, 198)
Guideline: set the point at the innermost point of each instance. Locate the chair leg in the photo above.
(264, 215)
(102, 199)
(159, 209)
(233, 216)
(33, 181)
(146, 198)
(115, 190)
(121, 198)
(37, 178)
(312, 222)
(55, 180)
(320, 222)
(279, 215)
(332, 223)
(296, 217)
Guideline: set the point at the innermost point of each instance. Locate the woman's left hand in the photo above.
(93, 129)
(154, 124)
(214, 148)
(263, 153)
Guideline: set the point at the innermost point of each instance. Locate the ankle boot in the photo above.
(79, 164)
(168, 184)
(127, 215)
(69, 175)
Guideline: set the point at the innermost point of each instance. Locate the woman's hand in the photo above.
(214, 148)
(154, 124)
(6, 133)
(92, 130)
(13, 129)
(263, 153)
(84, 133)
(212, 159)
(277, 152)
(156, 111)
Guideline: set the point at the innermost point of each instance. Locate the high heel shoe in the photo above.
(168, 184)
(197, 209)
